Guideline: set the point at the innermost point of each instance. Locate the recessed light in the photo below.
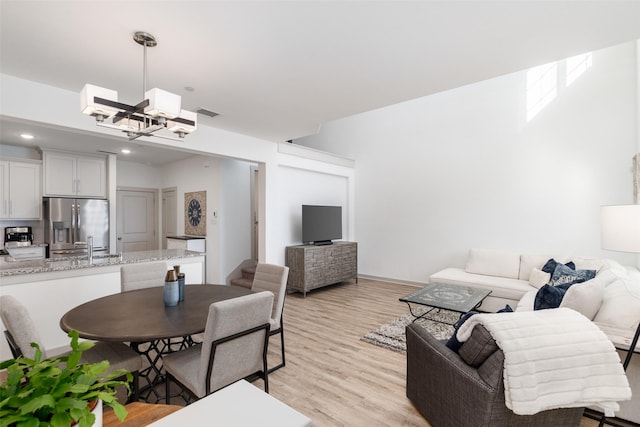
(26, 136)
(125, 151)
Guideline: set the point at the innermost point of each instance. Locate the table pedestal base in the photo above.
(152, 374)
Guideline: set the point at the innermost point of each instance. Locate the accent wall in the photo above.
(464, 168)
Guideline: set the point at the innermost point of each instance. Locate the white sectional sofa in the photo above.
(611, 299)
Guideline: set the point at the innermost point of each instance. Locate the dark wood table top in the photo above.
(141, 316)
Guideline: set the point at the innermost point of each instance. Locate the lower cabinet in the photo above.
(312, 267)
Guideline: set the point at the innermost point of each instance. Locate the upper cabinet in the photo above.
(67, 174)
(20, 190)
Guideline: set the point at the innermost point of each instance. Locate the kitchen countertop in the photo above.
(10, 267)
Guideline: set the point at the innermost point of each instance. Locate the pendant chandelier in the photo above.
(158, 113)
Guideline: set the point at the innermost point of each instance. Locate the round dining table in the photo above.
(140, 318)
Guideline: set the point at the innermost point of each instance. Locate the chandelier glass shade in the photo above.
(157, 115)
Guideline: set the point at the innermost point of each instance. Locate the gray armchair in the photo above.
(234, 347)
(141, 276)
(273, 278)
(21, 332)
(449, 392)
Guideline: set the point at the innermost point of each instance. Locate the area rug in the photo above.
(391, 334)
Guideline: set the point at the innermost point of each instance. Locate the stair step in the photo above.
(245, 283)
(249, 273)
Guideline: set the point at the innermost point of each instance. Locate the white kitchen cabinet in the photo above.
(68, 174)
(20, 190)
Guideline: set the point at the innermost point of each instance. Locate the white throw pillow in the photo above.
(620, 304)
(538, 278)
(585, 298)
(491, 262)
(530, 261)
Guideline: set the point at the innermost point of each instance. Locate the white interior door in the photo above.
(136, 220)
(255, 232)
(169, 214)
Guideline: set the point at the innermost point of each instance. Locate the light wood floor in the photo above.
(332, 376)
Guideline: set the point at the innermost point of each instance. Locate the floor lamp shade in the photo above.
(621, 228)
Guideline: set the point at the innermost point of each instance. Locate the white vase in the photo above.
(97, 411)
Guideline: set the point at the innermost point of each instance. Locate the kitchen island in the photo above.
(51, 287)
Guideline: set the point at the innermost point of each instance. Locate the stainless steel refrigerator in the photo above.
(69, 221)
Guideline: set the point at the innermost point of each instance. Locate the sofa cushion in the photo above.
(530, 261)
(501, 287)
(491, 262)
(585, 298)
(477, 349)
(620, 304)
(583, 263)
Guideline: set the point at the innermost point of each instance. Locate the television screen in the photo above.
(321, 224)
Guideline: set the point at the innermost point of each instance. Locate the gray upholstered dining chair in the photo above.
(141, 276)
(234, 347)
(273, 278)
(21, 332)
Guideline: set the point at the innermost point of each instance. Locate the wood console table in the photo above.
(312, 267)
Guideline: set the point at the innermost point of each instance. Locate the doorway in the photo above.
(169, 214)
(136, 219)
(255, 212)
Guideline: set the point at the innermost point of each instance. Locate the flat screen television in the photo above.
(321, 224)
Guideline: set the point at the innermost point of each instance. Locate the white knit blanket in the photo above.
(554, 358)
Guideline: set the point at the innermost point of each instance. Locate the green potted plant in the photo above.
(59, 391)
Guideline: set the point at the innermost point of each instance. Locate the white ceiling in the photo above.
(278, 70)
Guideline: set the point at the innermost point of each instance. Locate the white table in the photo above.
(240, 405)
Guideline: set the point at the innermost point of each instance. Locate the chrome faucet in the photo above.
(90, 249)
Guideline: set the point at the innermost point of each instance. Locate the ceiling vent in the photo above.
(206, 112)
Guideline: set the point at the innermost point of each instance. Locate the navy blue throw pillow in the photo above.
(550, 266)
(563, 275)
(507, 309)
(550, 296)
(453, 342)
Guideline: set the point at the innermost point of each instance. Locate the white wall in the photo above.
(309, 188)
(228, 196)
(130, 174)
(312, 182)
(234, 215)
(199, 173)
(460, 169)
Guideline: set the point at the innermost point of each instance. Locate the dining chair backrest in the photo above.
(273, 278)
(141, 276)
(240, 356)
(20, 325)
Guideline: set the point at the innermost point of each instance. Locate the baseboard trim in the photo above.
(390, 280)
